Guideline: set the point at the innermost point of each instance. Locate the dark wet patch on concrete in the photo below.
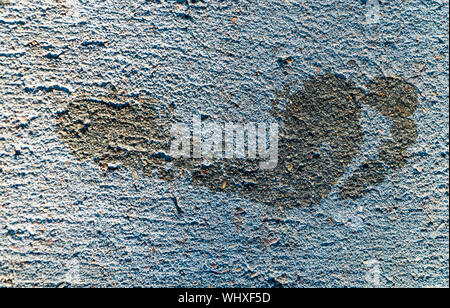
(393, 98)
(118, 130)
(4, 3)
(397, 100)
(369, 174)
(320, 135)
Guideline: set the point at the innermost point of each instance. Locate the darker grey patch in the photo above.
(320, 135)
(404, 132)
(396, 99)
(371, 173)
(117, 129)
(395, 152)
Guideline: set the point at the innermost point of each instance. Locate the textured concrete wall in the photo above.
(66, 220)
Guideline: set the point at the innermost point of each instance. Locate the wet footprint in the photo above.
(320, 135)
(369, 174)
(397, 100)
(116, 130)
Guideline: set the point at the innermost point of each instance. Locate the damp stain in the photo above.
(396, 100)
(320, 135)
(118, 130)
(371, 172)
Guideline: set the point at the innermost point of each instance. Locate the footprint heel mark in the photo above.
(117, 129)
(397, 100)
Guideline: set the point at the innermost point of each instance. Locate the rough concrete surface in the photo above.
(90, 197)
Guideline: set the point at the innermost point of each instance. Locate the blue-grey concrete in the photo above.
(70, 223)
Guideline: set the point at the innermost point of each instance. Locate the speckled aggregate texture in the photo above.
(70, 220)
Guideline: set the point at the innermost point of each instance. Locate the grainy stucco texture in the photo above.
(72, 215)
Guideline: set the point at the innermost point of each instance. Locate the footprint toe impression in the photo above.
(397, 100)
